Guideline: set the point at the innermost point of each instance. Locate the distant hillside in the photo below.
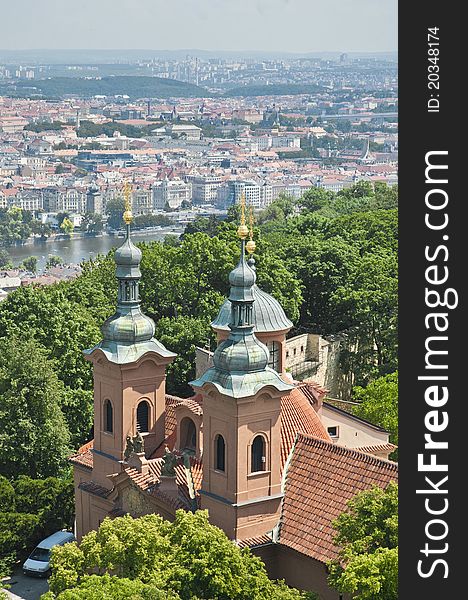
(135, 87)
(281, 89)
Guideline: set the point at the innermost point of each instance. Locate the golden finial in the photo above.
(127, 216)
(250, 246)
(242, 230)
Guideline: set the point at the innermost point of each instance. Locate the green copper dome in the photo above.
(242, 278)
(127, 259)
(128, 334)
(267, 313)
(240, 362)
(241, 353)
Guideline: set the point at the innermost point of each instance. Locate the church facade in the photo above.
(250, 445)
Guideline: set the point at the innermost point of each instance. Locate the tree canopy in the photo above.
(187, 559)
(34, 438)
(378, 403)
(30, 510)
(367, 533)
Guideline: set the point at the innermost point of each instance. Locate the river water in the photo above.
(75, 250)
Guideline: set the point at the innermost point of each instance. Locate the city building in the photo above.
(171, 194)
(205, 188)
(62, 199)
(256, 194)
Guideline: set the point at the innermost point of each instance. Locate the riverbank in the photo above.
(77, 247)
(77, 235)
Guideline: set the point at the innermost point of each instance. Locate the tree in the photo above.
(378, 403)
(315, 198)
(61, 216)
(280, 209)
(63, 327)
(42, 229)
(94, 587)
(367, 532)
(208, 225)
(34, 438)
(67, 226)
(114, 211)
(5, 260)
(30, 510)
(182, 335)
(30, 264)
(92, 223)
(190, 557)
(53, 261)
(51, 499)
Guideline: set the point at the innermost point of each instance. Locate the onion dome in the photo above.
(267, 313)
(128, 334)
(240, 363)
(127, 259)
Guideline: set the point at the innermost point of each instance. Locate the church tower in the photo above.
(270, 322)
(241, 485)
(129, 367)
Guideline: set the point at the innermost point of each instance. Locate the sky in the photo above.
(260, 25)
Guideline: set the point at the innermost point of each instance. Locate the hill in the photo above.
(280, 89)
(135, 87)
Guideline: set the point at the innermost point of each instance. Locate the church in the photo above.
(251, 445)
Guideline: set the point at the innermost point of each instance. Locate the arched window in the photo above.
(108, 417)
(143, 417)
(258, 454)
(274, 349)
(220, 453)
(188, 434)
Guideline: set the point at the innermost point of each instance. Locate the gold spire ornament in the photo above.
(127, 216)
(242, 230)
(250, 246)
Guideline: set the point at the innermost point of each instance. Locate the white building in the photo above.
(70, 200)
(205, 188)
(142, 201)
(171, 194)
(256, 194)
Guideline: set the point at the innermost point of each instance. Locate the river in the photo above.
(75, 250)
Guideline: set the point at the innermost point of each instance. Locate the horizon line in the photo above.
(196, 50)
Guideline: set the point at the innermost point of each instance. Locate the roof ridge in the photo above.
(374, 460)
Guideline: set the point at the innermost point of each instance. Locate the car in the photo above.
(38, 562)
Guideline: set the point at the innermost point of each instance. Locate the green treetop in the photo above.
(367, 533)
(188, 559)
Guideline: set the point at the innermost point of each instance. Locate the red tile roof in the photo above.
(83, 459)
(377, 448)
(298, 415)
(94, 488)
(320, 480)
(253, 542)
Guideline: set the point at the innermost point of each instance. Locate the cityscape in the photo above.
(199, 304)
(69, 156)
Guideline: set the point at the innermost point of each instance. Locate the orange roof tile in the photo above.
(377, 448)
(320, 480)
(83, 459)
(94, 488)
(298, 415)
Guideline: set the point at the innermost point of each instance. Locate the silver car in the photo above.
(38, 562)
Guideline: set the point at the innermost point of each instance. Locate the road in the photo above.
(23, 587)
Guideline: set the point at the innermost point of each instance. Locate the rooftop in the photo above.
(320, 480)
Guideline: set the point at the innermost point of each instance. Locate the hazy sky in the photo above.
(268, 25)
